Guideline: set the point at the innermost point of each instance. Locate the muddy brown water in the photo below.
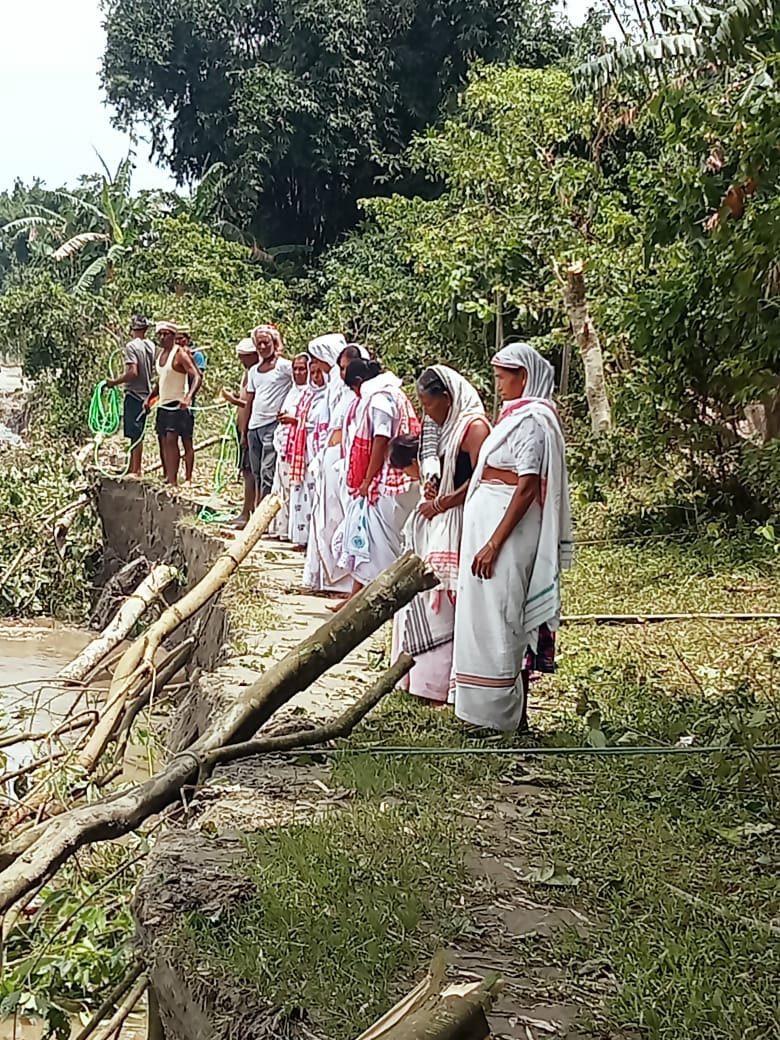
(30, 657)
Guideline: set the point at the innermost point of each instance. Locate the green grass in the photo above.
(630, 828)
(345, 908)
(350, 907)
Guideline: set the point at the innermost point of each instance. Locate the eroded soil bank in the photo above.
(139, 519)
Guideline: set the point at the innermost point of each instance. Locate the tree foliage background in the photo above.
(309, 105)
(403, 172)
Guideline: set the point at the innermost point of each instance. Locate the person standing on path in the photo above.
(247, 355)
(283, 442)
(178, 381)
(184, 342)
(517, 539)
(137, 381)
(322, 572)
(382, 497)
(267, 386)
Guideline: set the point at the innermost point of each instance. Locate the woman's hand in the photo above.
(435, 508)
(430, 489)
(287, 420)
(363, 489)
(483, 563)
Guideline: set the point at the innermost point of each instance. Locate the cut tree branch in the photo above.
(340, 727)
(42, 850)
(138, 659)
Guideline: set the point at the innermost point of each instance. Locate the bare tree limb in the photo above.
(138, 659)
(46, 848)
(340, 727)
(123, 623)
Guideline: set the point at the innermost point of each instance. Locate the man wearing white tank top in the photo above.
(178, 380)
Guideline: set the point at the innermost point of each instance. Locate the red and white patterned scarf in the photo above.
(389, 480)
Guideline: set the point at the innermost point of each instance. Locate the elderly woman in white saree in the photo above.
(454, 429)
(516, 541)
(322, 573)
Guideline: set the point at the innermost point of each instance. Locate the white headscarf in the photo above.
(328, 348)
(541, 374)
(437, 442)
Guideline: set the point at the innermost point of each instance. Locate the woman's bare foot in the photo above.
(334, 608)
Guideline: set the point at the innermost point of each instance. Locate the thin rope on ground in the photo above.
(570, 752)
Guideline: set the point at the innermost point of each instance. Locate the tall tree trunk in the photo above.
(588, 341)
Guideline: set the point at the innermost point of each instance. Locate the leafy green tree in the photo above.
(92, 229)
(308, 105)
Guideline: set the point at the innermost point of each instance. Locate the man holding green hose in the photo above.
(137, 380)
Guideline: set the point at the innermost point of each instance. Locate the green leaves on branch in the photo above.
(697, 35)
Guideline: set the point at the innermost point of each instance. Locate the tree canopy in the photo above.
(309, 105)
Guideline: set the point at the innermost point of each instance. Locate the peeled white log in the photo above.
(125, 619)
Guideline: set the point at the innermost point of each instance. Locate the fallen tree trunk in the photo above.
(127, 617)
(39, 852)
(590, 347)
(138, 659)
(340, 727)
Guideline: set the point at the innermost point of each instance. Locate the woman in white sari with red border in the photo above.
(517, 539)
(330, 354)
(454, 428)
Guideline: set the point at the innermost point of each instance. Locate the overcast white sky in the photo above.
(52, 114)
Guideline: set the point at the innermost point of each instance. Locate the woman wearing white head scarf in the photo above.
(454, 429)
(322, 572)
(516, 540)
(283, 441)
(311, 423)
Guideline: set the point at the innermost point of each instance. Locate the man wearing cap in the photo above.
(178, 380)
(137, 380)
(247, 355)
(267, 385)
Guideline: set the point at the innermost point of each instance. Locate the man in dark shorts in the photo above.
(137, 380)
(247, 355)
(184, 341)
(178, 380)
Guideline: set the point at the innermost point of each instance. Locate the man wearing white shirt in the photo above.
(266, 388)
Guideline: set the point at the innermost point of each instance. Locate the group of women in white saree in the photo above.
(486, 508)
